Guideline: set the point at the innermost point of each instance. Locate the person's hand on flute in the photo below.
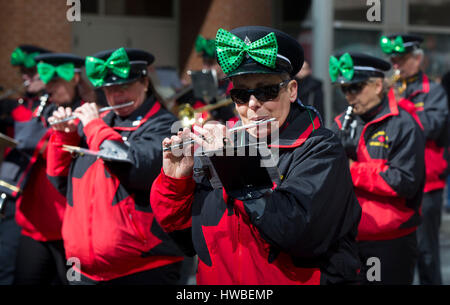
(60, 114)
(86, 113)
(179, 162)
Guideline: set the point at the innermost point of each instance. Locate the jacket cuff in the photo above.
(61, 137)
(184, 185)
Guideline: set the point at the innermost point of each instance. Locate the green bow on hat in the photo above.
(19, 57)
(343, 65)
(97, 69)
(388, 46)
(208, 46)
(47, 71)
(231, 50)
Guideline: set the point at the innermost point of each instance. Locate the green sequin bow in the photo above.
(343, 65)
(208, 46)
(231, 50)
(97, 69)
(47, 71)
(19, 57)
(388, 46)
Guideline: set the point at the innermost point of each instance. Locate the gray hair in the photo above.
(419, 52)
(384, 82)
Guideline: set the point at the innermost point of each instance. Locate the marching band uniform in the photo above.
(427, 101)
(109, 224)
(387, 148)
(39, 207)
(300, 232)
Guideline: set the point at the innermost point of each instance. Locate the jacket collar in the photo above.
(417, 84)
(149, 107)
(388, 107)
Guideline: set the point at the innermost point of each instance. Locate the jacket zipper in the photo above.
(239, 248)
(136, 229)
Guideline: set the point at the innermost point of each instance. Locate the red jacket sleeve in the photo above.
(171, 201)
(58, 160)
(366, 176)
(97, 131)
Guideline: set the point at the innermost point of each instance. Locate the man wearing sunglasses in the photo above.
(301, 231)
(428, 102)
(385, 147)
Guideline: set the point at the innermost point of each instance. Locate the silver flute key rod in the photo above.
(167, 148)
(99, 111)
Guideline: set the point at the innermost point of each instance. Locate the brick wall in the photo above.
(205, 17)
(37, 22)
(44, 23)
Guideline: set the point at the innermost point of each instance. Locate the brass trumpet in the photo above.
(186, 113)
(393, 80)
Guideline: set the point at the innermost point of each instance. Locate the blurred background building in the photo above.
(168, 28)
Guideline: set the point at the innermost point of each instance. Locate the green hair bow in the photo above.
(97, 69)
(343, 65)
(19, 57)
(47, 71)
(208, 46)
(231, 50)
(388, 46)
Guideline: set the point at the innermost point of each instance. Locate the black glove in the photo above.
(348, 143)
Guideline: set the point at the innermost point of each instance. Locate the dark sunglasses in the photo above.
(353, 88)
(262, 94)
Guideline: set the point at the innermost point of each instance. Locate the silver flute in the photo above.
(235, 129)
(73, 117)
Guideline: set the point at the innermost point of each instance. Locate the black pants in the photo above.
(165, 275)
(9, 242)
(40, 263)
(429, 263)
(397, 259)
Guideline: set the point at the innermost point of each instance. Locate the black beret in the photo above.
(33, 49)
(29, 49)
(139, 61)
(57, 59)
(410, 42)
(290, 53)
(364, 66)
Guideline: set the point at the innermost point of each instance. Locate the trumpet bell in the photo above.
(186, 115)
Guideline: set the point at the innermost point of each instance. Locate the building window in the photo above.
(354, 10)
(437, 58)
(89, 6)
(429, 13)
(129, 8)
(163, 9)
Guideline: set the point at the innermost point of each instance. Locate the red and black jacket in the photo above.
(427, 102)
(25, 108)
(16, 110)
(109, 224)
(39, 206)
(303, 232)
(389, 172)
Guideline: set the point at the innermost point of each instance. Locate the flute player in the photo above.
(300, 232)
